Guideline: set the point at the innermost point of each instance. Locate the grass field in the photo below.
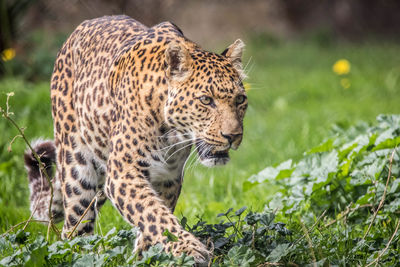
(294, 99)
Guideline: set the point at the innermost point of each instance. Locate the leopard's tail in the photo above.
(38, 183)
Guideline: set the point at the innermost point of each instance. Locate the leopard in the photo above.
(130, 105)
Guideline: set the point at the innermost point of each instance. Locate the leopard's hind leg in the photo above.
(40, 192)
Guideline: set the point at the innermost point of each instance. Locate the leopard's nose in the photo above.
(234, 139)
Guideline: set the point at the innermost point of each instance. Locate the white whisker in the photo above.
(185, 146)
(172, 145)
(248, 62)
(187, 159)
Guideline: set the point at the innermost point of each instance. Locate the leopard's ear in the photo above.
(234, 54)
(178, 62)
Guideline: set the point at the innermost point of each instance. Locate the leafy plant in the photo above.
(239, 240)
(353, 180)
(114, 249)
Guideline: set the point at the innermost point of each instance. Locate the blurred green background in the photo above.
(295, 94)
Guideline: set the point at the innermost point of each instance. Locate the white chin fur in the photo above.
(214, 162)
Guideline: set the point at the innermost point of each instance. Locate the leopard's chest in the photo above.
(169, 166)
(169, 159)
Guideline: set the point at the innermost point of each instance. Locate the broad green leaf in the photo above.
(318, 167)
(267, 218)
(345, 168)
(38, 252)
(240, 211)
(270, 173)
(284, 174)
(324, 147)
(85, 260)
(384, 136)
(280, 251)
(363, 142)
(395, 185)
(365, 199)
(240, 256)
(367, 171)
(393, 206)
(344, 152)
(388, 143)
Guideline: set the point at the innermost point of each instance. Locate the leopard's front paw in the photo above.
(186, 243)
(191, 246)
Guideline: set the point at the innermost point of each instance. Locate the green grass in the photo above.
(294, 100)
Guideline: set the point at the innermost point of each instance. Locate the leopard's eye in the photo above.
(206, 100)
(240, 99)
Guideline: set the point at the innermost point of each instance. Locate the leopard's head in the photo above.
(206, 98)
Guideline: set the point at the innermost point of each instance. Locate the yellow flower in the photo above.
(341, 67)
(345, 83)
(8, 54)
(246, 86)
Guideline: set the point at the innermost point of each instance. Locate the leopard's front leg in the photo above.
(130, 191)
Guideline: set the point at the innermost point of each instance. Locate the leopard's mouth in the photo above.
(209, 156)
